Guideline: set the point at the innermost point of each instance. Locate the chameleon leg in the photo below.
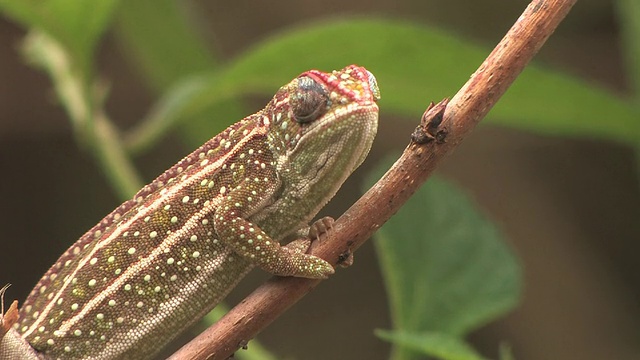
(251, 242)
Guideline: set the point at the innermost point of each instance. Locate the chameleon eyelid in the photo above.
(310, 101)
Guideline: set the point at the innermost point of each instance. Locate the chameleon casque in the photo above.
(165, 258)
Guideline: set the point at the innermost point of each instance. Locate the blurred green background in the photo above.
(554, 167)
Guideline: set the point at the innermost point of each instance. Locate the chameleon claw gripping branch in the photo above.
(165, 258)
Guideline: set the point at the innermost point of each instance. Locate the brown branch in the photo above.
(442, 129)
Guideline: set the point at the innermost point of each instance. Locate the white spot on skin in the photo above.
(132, 250)
(112, 302)
(174, 219)
(153, 234)
(185, 199)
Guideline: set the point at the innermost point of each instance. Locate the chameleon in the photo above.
(162, 260)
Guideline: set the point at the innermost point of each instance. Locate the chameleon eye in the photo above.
(309, 102)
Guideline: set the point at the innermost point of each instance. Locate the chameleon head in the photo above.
(324, 124)
(321, 127)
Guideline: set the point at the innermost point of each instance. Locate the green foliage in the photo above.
(447, 270)
(167, 50)
(158, 36)
(541, 100)
(76, 25)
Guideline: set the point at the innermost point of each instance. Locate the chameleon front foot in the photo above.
(297, 264)
(251, 242)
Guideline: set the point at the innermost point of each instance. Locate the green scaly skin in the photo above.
(162, 260)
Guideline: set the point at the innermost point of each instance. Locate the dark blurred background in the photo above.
(569, 208)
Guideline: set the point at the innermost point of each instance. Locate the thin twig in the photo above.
(443, 128)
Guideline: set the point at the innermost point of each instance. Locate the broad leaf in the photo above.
(414, 64)
(77, 25)
(446, 267)
(159, 36)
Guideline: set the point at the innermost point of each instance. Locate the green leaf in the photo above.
(159, 36)
(446, 267)
(438, 345)
(415, 64)
(77, 25)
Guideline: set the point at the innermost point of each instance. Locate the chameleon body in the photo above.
(165, 258)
